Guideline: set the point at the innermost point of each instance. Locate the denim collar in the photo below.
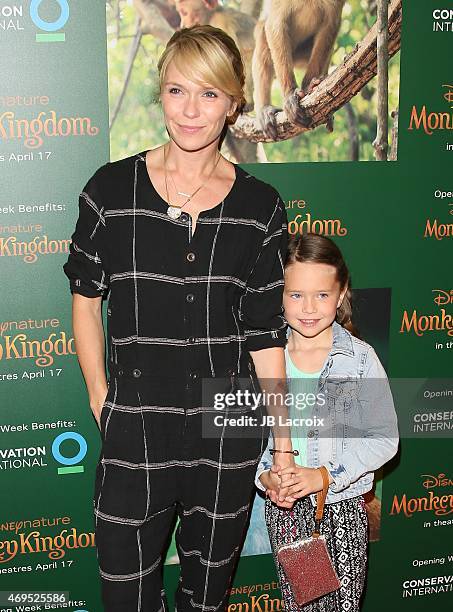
(342, 341)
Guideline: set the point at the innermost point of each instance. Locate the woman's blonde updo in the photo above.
(207, 55)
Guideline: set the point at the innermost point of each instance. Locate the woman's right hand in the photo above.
(96, 405)
(270, 481)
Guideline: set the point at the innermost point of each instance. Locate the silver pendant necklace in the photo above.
(174, 212)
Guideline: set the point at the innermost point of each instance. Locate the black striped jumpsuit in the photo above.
(182, 309)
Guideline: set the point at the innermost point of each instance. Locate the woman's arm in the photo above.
(265, 327)
(90, 347)
(89, 282)
(271, 372)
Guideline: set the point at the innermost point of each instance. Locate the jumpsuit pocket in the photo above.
(104, 410)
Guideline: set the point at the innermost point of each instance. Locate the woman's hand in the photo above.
(270, 481)
(301, 481)
(275, 489)
(283, 461)
(90, 347)
(96, 404)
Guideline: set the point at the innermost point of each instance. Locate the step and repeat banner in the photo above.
(78, 89)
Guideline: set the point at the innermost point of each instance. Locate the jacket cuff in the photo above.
(340, 477)
(258, 483)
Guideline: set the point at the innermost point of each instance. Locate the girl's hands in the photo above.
(301, 481)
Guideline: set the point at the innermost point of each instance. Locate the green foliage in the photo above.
(139, 124)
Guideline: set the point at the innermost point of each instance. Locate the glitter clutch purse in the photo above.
(306, 563)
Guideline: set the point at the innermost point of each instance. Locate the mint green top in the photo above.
(299, 383)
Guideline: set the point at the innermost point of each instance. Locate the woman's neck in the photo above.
(194, 164)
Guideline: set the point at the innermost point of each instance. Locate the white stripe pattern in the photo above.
(176, 463)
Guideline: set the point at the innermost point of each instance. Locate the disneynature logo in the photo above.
(430, 121)
(436, 228)
(50, 27)
(439, 503)
(420, 323)
(441, 480)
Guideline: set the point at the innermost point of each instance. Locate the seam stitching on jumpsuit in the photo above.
(208, 287)
(103, 464)
(213, 518)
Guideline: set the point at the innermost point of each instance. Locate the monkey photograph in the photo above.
(311, 85)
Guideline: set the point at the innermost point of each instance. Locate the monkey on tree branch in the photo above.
(333, 92)
(289, 34)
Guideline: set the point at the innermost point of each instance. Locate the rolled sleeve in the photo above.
(262, 303)
(85, 266)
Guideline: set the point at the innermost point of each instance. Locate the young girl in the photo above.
(356, 431)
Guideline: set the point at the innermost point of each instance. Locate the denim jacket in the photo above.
(359, 430)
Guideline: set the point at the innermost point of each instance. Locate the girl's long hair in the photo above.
(314, 248)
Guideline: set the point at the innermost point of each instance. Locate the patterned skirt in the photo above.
(345, 525)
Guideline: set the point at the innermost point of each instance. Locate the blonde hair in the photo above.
(205, 54)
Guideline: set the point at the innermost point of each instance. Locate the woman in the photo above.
(190, 249)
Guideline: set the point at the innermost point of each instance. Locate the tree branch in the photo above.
(153, 22)
(354, 145)
(357, 69)
(380, 143)
(394, 146)
(133, 50)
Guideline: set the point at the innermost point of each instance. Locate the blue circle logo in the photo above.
(69, 435)
(49, 26)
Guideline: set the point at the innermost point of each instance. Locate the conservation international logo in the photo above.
(51, 28)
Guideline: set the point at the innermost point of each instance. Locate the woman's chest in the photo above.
(145, 240)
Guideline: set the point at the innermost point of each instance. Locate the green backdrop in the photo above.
(397, 217)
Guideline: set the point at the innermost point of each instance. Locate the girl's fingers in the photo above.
(285, 504)
(273, 496)
(288, 470)
(286, 482)
(297, 488)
